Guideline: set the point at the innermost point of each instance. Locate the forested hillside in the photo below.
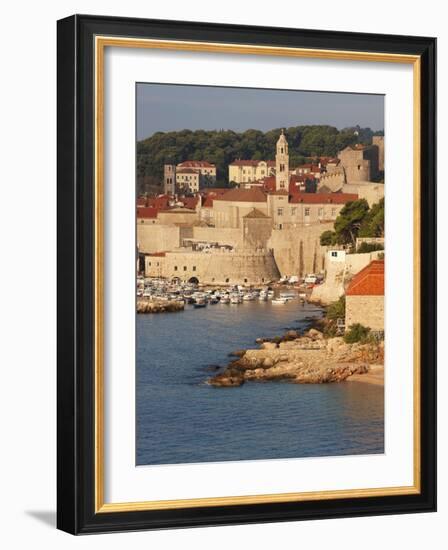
(221, 147)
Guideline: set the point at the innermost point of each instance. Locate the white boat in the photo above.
(270, 294)
(279, 301)
(225, 299)
(249, 297)
(302, 296)
(235, 299)
(263, 296)
(288, 295)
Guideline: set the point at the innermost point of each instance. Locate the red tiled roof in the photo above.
(323, 198)
(311, 167)
(369, 281)
(243, 195)
(251, 162)
(269, 183)
(195, 164)
(141, 201)
(208, 203)
(187, 171)
(158, 254)
(215, 190)
(189, 202)
(147, 212)
(162, 201)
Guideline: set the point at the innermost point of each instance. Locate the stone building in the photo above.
(379, 142)
(306, 208)
(247, 171)
(187, 180)
(364, 297)
(169, 179)
(230, 207)
(370, 191)
(360, 162)
(188, 176)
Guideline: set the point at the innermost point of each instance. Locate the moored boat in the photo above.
(279, 301)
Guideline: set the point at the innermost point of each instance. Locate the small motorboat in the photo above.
(225, 299)
(200, 302)
(235, 299)
(279, 301)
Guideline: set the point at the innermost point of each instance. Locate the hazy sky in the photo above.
(167, 107)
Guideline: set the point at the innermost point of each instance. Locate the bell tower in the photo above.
(282, 164)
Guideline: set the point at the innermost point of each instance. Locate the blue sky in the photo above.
(168, 107)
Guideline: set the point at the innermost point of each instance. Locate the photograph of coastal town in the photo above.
(259, 274)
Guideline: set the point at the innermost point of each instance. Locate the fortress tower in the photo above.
(282, 164)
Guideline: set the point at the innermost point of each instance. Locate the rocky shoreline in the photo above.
(301, 359)
(158, 306)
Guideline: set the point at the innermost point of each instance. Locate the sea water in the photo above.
(181, 419)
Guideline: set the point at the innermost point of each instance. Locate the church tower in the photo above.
(282, 164)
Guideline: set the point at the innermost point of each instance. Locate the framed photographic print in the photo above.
(246, 333)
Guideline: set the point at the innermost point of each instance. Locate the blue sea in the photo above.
(180, 419)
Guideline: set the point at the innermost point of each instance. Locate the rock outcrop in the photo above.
(310, 359)
(158, 306)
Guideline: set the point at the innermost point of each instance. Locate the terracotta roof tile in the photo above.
(195, 164)
(369, 281)
(145, 212)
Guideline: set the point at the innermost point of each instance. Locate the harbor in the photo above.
(156, 295)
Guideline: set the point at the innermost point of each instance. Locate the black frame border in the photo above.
(76, 264)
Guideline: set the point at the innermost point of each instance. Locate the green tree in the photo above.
(356, 333)
(222, 147)
(328, 238)
(349, 221)
(373, 223)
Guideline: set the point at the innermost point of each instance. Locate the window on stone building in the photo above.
(293, 211)
(175, 268)
(245, 280)
(279, 211)
(185, 268)
(227, 280)
(307, 211)
(194, 268)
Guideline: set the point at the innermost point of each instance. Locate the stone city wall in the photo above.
(220, 267)
(297, 251)
(160, 238)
